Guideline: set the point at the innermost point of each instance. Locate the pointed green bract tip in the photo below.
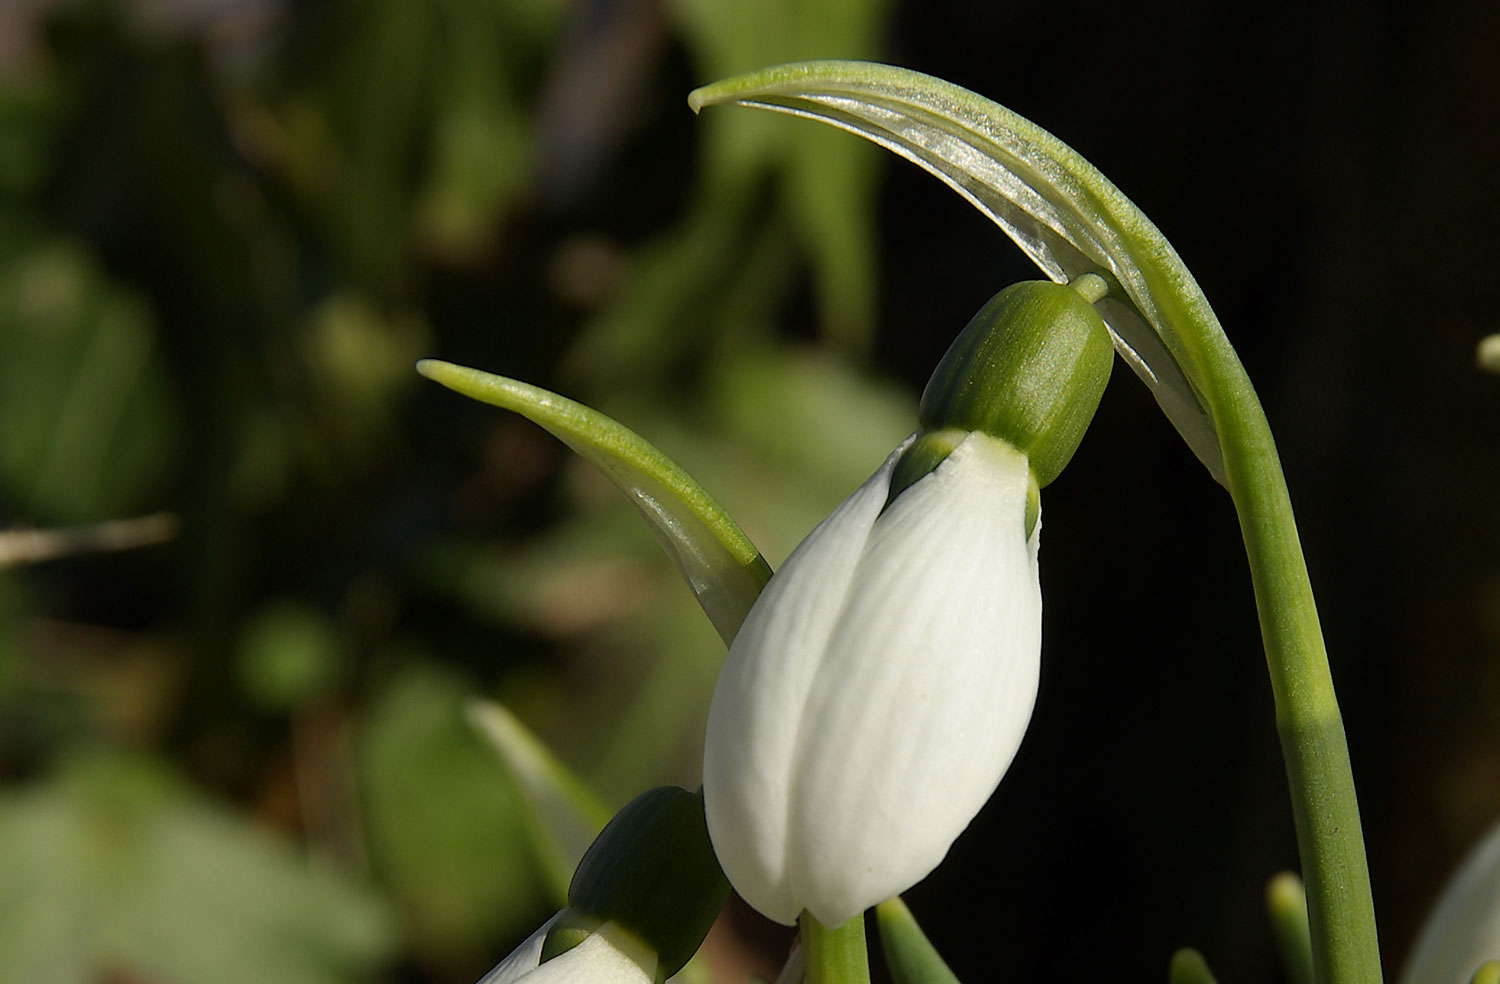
(1030, 369)
(714, 556)
(1189, 967)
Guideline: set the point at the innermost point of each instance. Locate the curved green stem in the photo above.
(1341, 911)
(835, 956)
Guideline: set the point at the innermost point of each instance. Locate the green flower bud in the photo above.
(652, 872)
(1029, 369)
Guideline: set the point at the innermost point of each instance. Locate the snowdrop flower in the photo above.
(1463, 930)
(881, 684)
(642, 899)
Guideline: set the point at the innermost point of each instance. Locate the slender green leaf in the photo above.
(1057, 207)
(445, 827)
(715, 557)
(564, 813)
(1189, 967)
(912, 959)
(1286, 900)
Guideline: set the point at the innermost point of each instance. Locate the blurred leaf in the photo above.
(677, 296)
(289, 654)
(482, 134)
(30, 112)
(359, 361)
(85, 428)
(564, 814)
(114, 871)
(657, 734)
(1189, 967)
(827, 185)
(719, 563)
(445, 824)
(813, 415)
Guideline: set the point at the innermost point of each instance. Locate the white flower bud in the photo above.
(878, 689)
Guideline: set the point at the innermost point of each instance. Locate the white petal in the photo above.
(609, 956)
(522, 959)
(924, 688)
(751, 743)
(1463, 930)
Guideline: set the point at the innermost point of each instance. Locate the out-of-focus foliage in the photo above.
(113, 868)
(442, 821)
(85, 419)
(227, 231)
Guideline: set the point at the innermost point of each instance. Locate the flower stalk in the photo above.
(835, 956)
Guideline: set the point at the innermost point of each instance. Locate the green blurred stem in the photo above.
(1286, 902)
(1189, 967)
(1341, 912)
(911, 957)
(835, 956)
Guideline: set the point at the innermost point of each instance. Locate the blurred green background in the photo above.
(232, 739)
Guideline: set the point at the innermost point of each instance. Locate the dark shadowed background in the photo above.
(234, 749)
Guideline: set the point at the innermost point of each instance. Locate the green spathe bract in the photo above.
(1030, 369)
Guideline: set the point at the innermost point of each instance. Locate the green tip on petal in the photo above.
(1286, 902)
(910, 956)
(652, 871)
(714, 556)
(1189, 967)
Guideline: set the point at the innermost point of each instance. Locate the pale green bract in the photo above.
(715, 557)
(563, 814)
(1057, 207)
